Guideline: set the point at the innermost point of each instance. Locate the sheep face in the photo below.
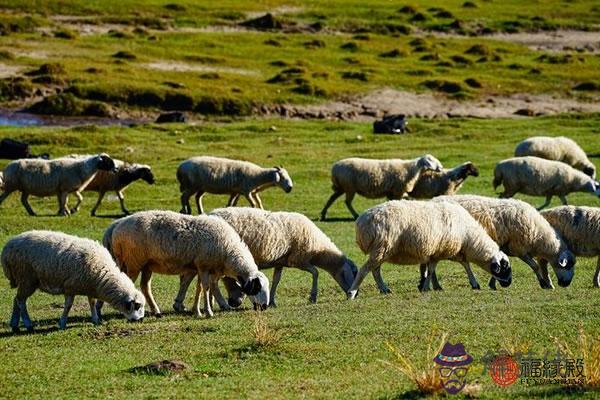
(235, 296)
(345, 276)
(593, 187)
(133, 308)
(283, 180)
(105, 163)
(590, 171)
(500, 269)
(146, 175)
(257, 288)
(429, 162)
(471, 169)
(564, 268)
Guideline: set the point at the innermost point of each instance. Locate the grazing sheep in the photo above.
(520, 231)
(106, 181)
(284, 239)
(199, 175)
(374, 179)
(558, 149)
(446, 182)
(58, 177)
(57, 263)
(170, 243)
(417, 232)
(539, 177)
(580, 228)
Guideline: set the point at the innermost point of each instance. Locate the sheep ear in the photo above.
(252, 287)
(277, 176)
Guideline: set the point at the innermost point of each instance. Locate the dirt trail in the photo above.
(184, 67)
(389, 101)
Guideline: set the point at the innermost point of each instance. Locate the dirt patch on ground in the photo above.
(276, 11)
(164, 367)
(425, 105)
(185, 67)
(7, 71)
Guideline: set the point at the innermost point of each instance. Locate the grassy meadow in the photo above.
(333, 349)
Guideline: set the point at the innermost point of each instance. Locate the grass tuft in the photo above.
(264, 335)
(588, 348)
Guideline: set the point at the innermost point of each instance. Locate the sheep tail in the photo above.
(498, 178)
(8, 273)
(183, 182)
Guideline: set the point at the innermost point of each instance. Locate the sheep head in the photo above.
(500, 269)
(429, 162)
(283, 179)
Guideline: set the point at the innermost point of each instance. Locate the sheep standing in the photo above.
(520, 231)
(199, 175)
(558, 149)
(58, 177)
(57, 263)
(580, 228)
(170, 243)
(107, 181)
(539, 177)
(415, 232)
(374, 179)
(446, 182)
(284, 239)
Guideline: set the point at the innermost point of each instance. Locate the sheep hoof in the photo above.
(322, 218)
(312, 299)
(273, 304)
(385, 291)
(352, 294)
(158, 315)
(596, 284)
(29, 329)
(438, 288)
(178, 307)
(476, 287)
(126, 212)
(15, 329)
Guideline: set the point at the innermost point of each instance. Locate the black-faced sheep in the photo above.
(446, 182)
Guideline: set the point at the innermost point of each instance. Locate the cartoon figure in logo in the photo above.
(453, 363)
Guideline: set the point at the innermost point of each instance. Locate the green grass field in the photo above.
(334, 349)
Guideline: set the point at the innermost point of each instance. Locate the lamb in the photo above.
(373, 179)
(447, 182)
(580, 228)
(284, 239)
(57, 263)
(558, 149)
(520, 231)
(539, 177)
(125, 174)
(59, 177)
(199, 175)
(170, 243)
(417, 232)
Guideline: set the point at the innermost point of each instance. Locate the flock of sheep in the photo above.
(234, 244)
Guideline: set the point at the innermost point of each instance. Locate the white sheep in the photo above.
(107, 181)
(540, 177)
(199, 175)
(580, 228)
(424, 232)
(558, 149)
(57, 263)
(174, 244)
(446, 182)
(58, 177)
(374, 179)
(284, 239)
(520, 231)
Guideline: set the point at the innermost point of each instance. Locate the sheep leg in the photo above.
(199, 202)
(79, 200)
(546, 204)
(371, 264)
(62, 204)
(185, 202)
(206, 284)
(100, 197)
(218, 296)
(25, 315)
(333, 198)
(435, 282)
(597, 274)
(146, 285)
(62, 323)
(315, 282)
(122, 201)
(15, 317)
(349, 198)
(541, 271)
(383, 288)
(233, 199)
(94, 311)
(430, 272)
(257, 200)
(275, 283)
(25, 202)
(250, 199)
(563, 199)
(472, 280)
(184, 283)
(196, 306)
(5, 195)
(423, 272)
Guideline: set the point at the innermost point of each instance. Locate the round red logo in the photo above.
(504, 370)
